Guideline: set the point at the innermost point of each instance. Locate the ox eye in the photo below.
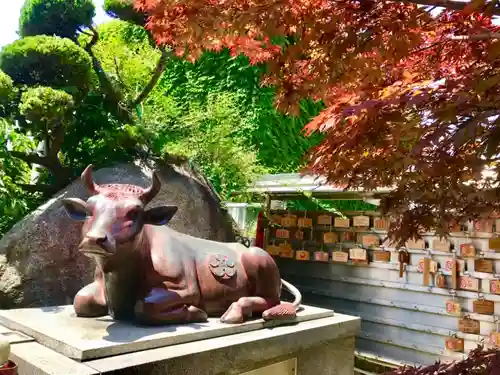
(133, 215)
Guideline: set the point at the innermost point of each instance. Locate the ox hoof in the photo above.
(233, 315)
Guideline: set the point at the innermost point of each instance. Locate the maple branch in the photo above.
(450, 4)
(484, 36)
(160, 67)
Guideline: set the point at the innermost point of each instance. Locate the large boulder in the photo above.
(39, 261)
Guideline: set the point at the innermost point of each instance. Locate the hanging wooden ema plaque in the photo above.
(495, 286)
(415, 244)
(453, 307)
(494, 243)
(340, 257)
(469, 283)
(286, 250)
(381, 223)
(382, 256)
(340, 222)
(273, 249)
(468, 325)
(441, 245)
(358, 255)
(361, 221)
(330, 237)
(302, 254)
(288, 221)
(483, 265)
(454, 344)
(483, 306)
(321, 256)
(282, 233)
(370, 240)
(467, 250)
(324, 220)
(495, 336)
(304, 222)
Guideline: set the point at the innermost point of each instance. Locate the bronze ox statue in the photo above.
(153, 274)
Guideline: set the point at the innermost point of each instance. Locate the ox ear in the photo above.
(160, 215)
(76, 208)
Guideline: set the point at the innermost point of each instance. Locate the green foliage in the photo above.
(208, 134)
(124, 10)
(7, 93)
(45, 107)
(14, 202)
(63, 18)
(278, 138)
(126, 55)
(48, 61)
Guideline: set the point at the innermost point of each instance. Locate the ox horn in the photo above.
(150, 192)
(88, 180)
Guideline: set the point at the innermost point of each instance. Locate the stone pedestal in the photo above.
(54, 341)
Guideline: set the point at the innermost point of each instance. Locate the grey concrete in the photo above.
(322, 347)
(59, 329)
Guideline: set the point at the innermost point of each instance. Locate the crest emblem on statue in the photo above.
(222, 267)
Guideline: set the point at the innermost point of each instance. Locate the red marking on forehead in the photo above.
(120, 191)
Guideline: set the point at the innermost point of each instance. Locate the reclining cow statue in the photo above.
(150, 273)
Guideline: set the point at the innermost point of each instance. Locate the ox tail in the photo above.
(294, 291)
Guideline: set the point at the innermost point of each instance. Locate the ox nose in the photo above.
(92, 240)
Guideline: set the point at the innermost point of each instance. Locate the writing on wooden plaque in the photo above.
(467, 325)
(299, 235)
(483, 306)
(282, 233)
(357, 254)
(495, 338)
(441, 245)
(381, 223)
(484, 226)
(370, 240)
(454, 344)
(453, 307)
(342, 223)
(467, 250)
(304, 222)
(324, 220)
(330, 237)
(382, 256)
(273, 249)
(321, 256)
(302, 255)
(361, 221)
(495, 286)
(469, 283)
(415, 244)
(494, 243)
(340, 256)
(483, 265)
(288, 221)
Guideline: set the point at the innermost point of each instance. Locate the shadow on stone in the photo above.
(127, 332)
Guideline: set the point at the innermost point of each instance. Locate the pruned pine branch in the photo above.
(160, 67)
